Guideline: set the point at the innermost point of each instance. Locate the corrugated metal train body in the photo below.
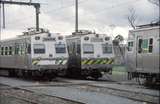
(41, 52)
(90, 53)
(142, 57)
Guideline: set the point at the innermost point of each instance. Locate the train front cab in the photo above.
(97, 56)
(49, 54)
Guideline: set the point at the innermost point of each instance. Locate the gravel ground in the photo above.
(10, 100)
(56, 92)
(87, 97)
(18, 96)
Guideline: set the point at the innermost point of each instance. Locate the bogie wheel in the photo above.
(12, 73)
(96, 74)
(141, 81)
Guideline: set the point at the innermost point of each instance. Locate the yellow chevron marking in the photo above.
(109, 61)
(112, 61)
(90, 62)
(35, 62)
(104, 61)
(84, 61)
(97, 61)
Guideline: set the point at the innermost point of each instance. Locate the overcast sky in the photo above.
(98, 15)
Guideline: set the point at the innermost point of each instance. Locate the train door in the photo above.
(156, 50)
(145, 59)
(139, 60)
(148, 54)
(130, 55)
(74, 62)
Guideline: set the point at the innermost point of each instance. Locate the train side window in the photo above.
(16, 49)
(78, 48)
(107, 48)
(145, 46)
(150, 45)
(2, 50)
(29, 48)
(22, 49)
(88, 48)
(10, 50)
(39, 48)
(13, 50)
(6, 50)
(130, 46)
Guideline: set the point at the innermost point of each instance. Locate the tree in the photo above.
(116, 42)
(118, 39)
(156, 2)
(132, 17)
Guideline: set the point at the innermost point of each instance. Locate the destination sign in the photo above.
(49, 39)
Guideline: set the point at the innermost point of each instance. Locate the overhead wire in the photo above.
(70, 17)
(54, 11)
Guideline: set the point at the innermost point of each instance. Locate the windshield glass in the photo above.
(60, 48)
(88, 48)
(107, 48)
(39, 48)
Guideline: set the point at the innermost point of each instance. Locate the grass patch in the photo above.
(119, 68)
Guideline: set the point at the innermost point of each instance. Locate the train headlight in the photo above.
(86, 38)
(60, 38)
(49, 34)
(37, 38)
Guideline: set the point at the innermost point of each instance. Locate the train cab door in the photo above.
(77, 52)
(74, 63)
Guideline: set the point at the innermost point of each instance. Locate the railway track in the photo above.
(31, 97)
(131, 91)
(133, 95)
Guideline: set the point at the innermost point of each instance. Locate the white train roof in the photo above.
(32, 32)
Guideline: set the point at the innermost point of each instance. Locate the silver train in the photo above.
(142, 56)
(90, 54)
(34, 54)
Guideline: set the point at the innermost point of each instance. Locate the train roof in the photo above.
(28, 34)
(83, 33)
(145, 28)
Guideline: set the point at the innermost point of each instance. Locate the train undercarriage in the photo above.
(148, 79)
(47, 74)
